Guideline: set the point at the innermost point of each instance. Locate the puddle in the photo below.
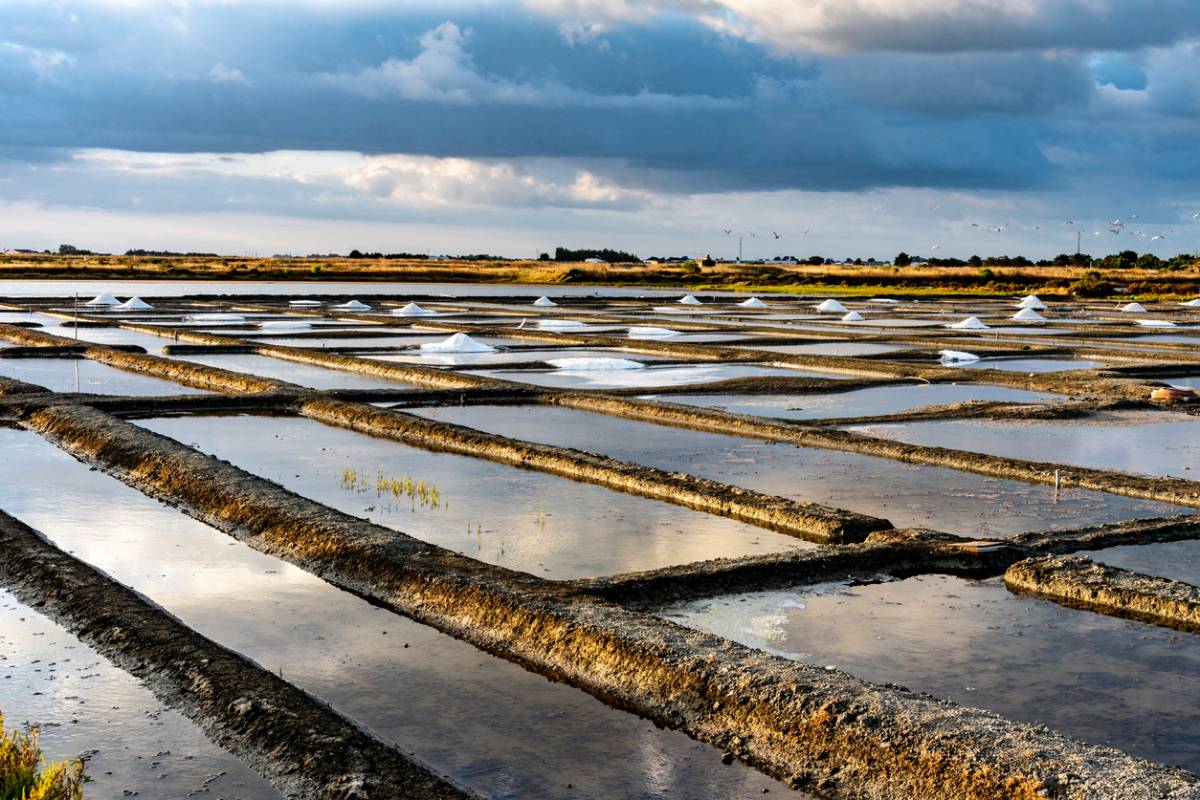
(651, 376)
(524, 520)
(863, 402)
(308, 375)
(82, 704)
(909, 495)
(505, 732)
(1145, 442)
(1107, 681)
(78, 374)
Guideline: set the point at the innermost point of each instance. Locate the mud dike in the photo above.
(743, 432)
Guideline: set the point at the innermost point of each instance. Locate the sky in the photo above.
(841, 128)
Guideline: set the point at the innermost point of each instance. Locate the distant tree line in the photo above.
(1126, 259)
(611, 256)
(168, 253)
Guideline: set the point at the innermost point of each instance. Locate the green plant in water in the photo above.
(26, 775)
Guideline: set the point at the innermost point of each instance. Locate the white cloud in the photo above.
(44, 62)
(223, 74)
(420, 180)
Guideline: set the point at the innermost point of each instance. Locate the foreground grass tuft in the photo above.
(25, 774)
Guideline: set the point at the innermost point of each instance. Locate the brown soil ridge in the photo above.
(814, 728)
(293, 739)
(1080, 582)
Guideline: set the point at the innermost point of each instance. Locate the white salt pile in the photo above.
(413, 310)
(1133, 308)
(832, 306)
(1192, 303)
(215, 317)
(458, 343)
(1155, 323)
(853, 316)
(957, 357)
(103, 300)
(1028, 315)
(689, 300)
(753, 302)
(544, 302)
(594, 364)
(133, 304)
(649, 332)
(970, 324)
(284, 325)
(560, 325)
(1032, 301)
(304, 303)
(354, 305)
(886, 300)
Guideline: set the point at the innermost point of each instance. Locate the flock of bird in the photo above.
(1115, 226)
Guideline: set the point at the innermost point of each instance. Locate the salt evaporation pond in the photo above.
(84, 706)
(308, 375)
(89, 377)
(909, 495)
(1105, 680)
(507, 356)
(1031, 364)
(1178, 561)
(504, 732)
(861, 402)
(531, 521)
(1145, 442)
(649, 377)
(830, 348)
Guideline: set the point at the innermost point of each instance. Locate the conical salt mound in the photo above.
(1133, 308)
(1028, 315)
(544, 302)
(103, 300)
(1032, 301)
(957, 357)
(1192, 303)
(354, 305)
(969, 324)
(133, 304)
(689, 300)
(412, 310)
(458, 343)
(853, 316)
(832, 306)
(753, 302)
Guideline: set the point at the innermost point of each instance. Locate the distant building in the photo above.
(707, 261)
(594, 261)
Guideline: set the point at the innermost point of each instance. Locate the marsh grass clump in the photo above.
(26, 775)
(418, 492)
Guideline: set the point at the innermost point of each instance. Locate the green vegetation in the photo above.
(417, 491)
(25, 774)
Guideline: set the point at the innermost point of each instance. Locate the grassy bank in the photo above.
(758, 278)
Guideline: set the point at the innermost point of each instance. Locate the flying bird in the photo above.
(727, 231)
(1069, 222)
(777, 235)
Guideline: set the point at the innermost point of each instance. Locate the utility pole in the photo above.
(1078, 236)
(740, 237)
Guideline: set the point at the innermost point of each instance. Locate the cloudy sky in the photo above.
(849, 127)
